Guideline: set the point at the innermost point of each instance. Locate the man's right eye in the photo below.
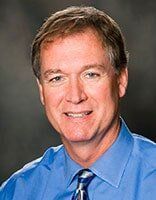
(56, 79)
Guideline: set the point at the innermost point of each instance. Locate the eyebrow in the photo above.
(95, 65)
(51, 71)
(85, 67)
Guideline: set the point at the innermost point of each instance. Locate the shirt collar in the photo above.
(111, 165)
(71, 168)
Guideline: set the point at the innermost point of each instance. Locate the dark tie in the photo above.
(84, 178)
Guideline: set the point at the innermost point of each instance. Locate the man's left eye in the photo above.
(92, 74)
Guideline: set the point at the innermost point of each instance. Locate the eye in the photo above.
(56, 79)
(92, 74)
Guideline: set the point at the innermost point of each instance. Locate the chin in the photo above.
(77, 136)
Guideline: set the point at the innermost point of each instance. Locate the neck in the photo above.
(86, 153)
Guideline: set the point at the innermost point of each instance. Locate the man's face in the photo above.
(79, 87)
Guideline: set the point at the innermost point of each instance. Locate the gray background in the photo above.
(24, 131)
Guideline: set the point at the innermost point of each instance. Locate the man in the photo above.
(80, 62)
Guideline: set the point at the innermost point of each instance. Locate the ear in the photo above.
(123, 81)
(40, 87)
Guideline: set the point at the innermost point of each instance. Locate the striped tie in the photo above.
(84, 178)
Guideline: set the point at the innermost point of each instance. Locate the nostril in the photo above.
(76, 94)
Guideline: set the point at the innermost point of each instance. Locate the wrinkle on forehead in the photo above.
(58, 40)
(102, 67)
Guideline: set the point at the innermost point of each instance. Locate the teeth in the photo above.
(77, 115)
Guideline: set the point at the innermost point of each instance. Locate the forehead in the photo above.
(88, 31)
(83, 48)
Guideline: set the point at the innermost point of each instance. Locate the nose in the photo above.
(75, 92)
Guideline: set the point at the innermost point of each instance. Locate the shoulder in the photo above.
(145, 149)
(31, 171)
(144, 152)
(143, 157)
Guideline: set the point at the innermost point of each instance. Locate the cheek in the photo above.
(105, 97)
(101, 93)
(53, 98)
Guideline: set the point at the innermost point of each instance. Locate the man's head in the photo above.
(74, 20)
(80, 62)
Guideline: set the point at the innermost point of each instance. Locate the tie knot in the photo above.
(84, 177)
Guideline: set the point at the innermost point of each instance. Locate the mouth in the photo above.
(78, 114)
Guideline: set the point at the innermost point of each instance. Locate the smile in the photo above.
(78, 115)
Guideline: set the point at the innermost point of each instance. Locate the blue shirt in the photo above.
(126, 171)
